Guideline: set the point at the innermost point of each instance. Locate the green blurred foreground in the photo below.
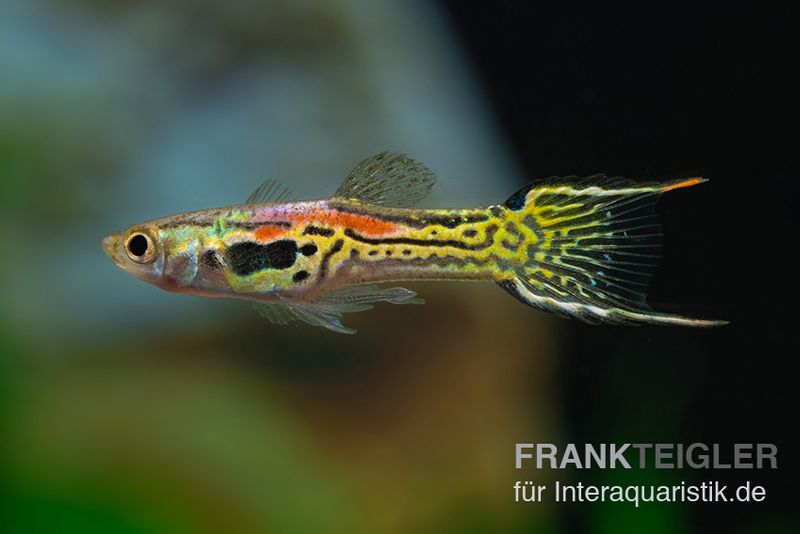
(244, 427)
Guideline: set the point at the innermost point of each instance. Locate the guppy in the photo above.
(579, 247)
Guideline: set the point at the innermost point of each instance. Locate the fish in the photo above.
(583, 248)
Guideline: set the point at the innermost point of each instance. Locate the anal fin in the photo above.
(327, 312)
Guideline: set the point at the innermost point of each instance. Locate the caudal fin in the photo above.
(590, 248)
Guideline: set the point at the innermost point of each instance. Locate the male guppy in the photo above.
(583, 248)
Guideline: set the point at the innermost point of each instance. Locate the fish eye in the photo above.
(140, 247)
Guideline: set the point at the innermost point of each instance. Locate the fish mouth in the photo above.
(109, 244)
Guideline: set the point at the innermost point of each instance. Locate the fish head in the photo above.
(139, 251)
(167, 254)
(203, 253)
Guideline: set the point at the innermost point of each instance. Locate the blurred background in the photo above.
(127, 409)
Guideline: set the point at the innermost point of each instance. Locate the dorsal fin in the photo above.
(388, 179)
(269, 191)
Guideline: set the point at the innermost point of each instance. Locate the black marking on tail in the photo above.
(517, 201)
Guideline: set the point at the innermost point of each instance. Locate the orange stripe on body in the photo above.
(363, 224)
(268, 232)
(330, 218)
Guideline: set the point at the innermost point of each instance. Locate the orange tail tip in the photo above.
(689, 182)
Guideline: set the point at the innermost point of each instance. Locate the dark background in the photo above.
(657, 91)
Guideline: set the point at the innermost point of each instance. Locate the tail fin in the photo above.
(591, 246)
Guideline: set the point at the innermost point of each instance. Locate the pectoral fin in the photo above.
(183, 267)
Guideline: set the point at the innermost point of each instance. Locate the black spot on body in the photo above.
(373, 252)
(212, 260)
(448, 220)
(308, 250)
(248, 257)
(470, 233)
(316, 230)
(406, 252)
(455, 220)
(299, 276)
(490, 231)
(323, 269)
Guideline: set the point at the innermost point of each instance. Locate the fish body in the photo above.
(583, 248)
